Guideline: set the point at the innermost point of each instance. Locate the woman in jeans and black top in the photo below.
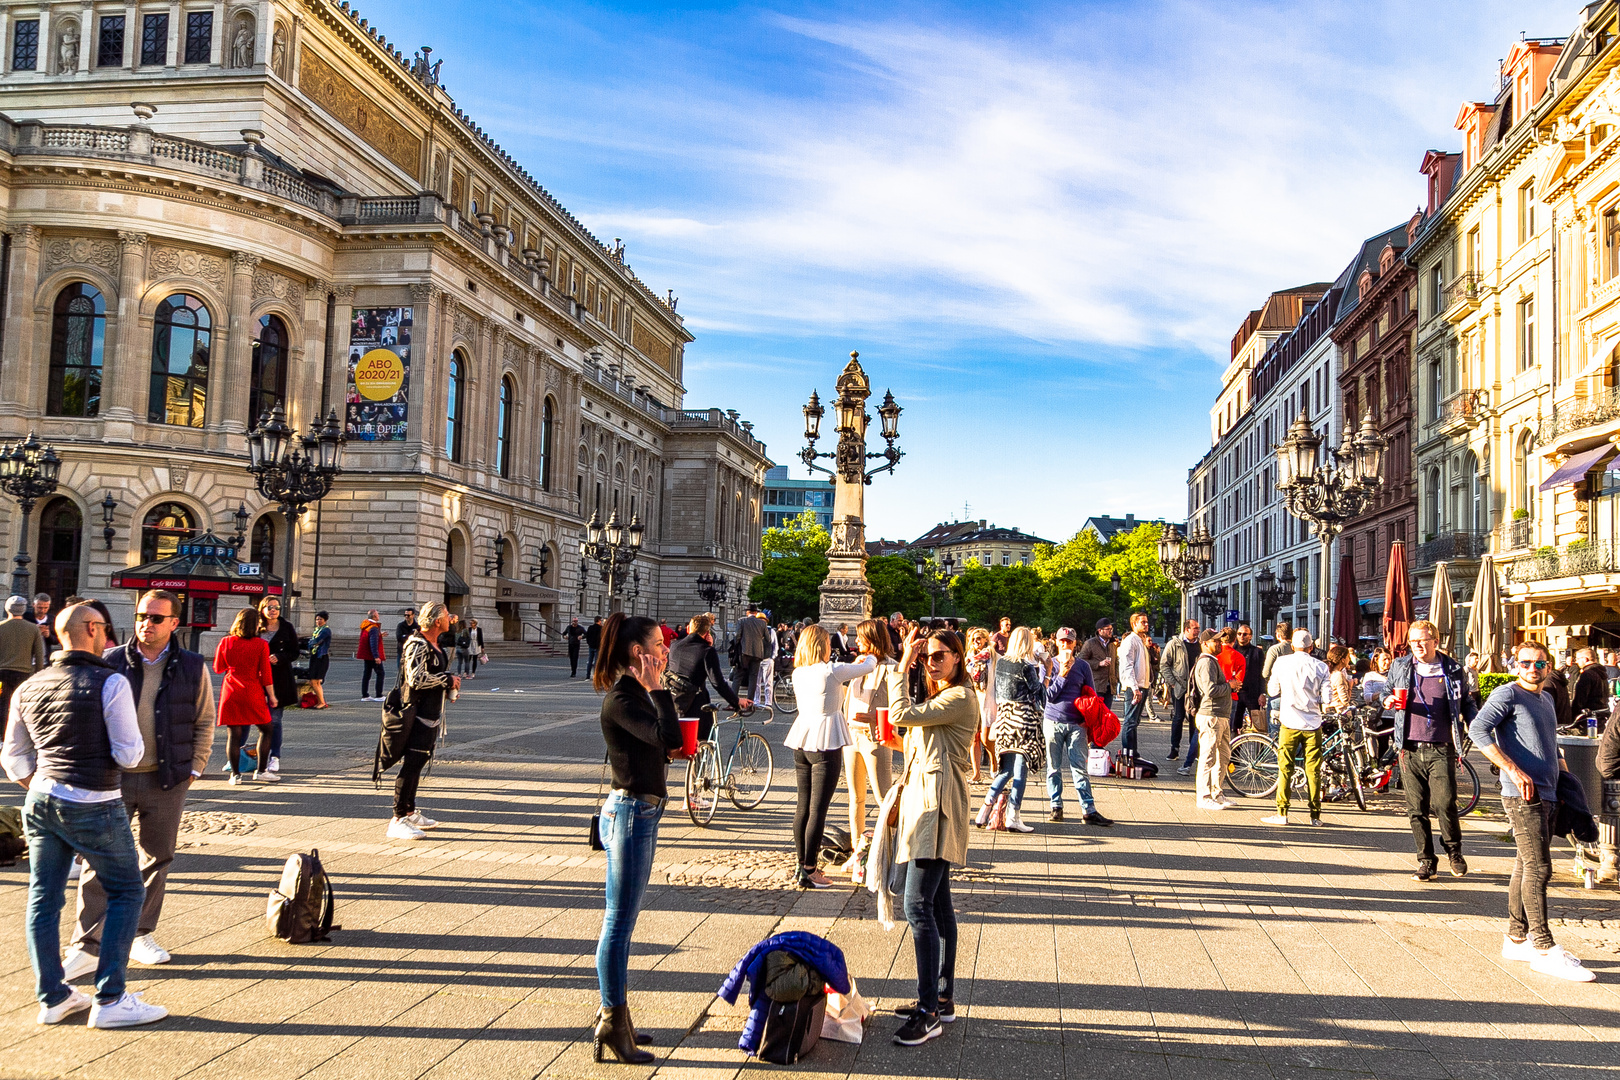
(818, 737)
(934, 808)
(284, 653)
(642, 732)
(425, 673)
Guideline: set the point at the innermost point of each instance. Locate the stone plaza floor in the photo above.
(1180, 943)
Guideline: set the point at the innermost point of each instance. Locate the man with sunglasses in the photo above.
(174, 707)
(73, 727)
(1517, 728)
(1428, 697)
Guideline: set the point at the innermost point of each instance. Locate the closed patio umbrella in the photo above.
(1397, 600)
(1346, 605)
(1441, 612)
(1484, 634)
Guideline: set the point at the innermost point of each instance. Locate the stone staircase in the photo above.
(519, 650)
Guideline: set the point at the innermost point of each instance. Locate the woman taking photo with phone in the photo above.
(818, 737)
(284, 652)
(642, 732)
(934, 811)
(865, 758)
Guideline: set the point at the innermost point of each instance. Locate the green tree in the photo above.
(804, 534)
(789, 587)
(895, 586)
(1135, 557)
(1075, 599)
(983, 594)
(1082, 551)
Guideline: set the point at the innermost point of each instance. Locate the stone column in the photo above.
(230, 415)
(177, 35)
(418, 429)
(125, 375)
(337, 372)
(304, 363)
(18, 368)
(89, 32)
(132, 36)
(219, 49)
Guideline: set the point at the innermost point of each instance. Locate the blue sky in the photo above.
(1040, 224)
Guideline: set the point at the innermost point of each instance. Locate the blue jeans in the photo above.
(99, 832)
(1132, 718)
(1016, 769)
(1073, 740)
(629, 832)
(933, 930)
(275, 735)
(1178, 718)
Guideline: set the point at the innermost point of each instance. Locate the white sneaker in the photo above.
(1212, 804)
(421, 820)
(1518, 950)
(267, 777)
(75, 869)
(78, 964)
(401, 829)
(1561, 964)
(77, 1001)
(1275, 819)
(127, 1011)
(235, 779)
(145, 950)
(274, 766)
(1185, 770)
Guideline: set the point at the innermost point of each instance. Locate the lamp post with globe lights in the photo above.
(935, 577)
(1185, 560)
(613, 547)
(1329, 489)
(1211, 603)
(28, 473)
(1274, 592)
(293, 471)
(845, 594)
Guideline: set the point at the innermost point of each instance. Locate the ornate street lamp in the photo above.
(711, 589)
(293, 471)
(109, 506)
(1113, 580)
(1274, 593)
(1185, 560)
(1211, 603)
(537, 573)
(845, 594)
(613, 547)
(1329, 489)
(28, 473)
(936, 578)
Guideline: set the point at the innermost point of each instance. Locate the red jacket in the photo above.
(245, 663)
(371, 642)
(1101, 723)
(1233, 664)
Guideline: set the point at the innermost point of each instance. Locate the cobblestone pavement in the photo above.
(1179, 943)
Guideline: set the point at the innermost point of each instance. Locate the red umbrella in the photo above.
(1397, 600)
(1346, 605)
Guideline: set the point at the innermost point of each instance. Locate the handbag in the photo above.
(596, 818)
(846, 1015)
(1099, 762)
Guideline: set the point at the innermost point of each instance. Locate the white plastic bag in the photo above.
(846, 1015)
(1099, 762)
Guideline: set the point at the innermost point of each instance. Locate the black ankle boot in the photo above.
(641, 1040)
(613, 1031)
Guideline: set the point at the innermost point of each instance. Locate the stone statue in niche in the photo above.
(278, 51)
(242, 46)
(67, 50)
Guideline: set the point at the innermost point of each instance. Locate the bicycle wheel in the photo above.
(1352, 764)
(783, 699)
(1252, 771)
(1467, 787)
(703, 784)
(750, 775)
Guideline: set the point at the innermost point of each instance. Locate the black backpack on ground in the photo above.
(835, 844)
(300, 910)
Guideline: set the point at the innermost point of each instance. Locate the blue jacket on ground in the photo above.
(1063, 689)
(822, 955)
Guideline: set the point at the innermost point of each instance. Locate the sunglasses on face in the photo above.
(937, 656)
(152, 617)
(1537, 664)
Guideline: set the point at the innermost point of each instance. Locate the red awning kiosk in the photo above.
(203, 571)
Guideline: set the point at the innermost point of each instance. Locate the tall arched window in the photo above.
(61, 536)
(547, 416)
(452, 404)
(166, 525)
(269, 368)
(180, 344)
(77, 334)
(1431, 503)
(262, 545)
(503, 429)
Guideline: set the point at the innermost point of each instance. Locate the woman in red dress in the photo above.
(249, 692)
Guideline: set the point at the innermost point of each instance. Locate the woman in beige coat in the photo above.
(934, 811)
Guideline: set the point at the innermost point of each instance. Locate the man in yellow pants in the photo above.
(1299, 680)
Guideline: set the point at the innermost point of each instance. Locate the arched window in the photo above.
(165, 527)
(1431, 503)
(1476, 515)
(452, 404)
(61, 532)
(548, 415)
(180, 344)
(269, 368)
(262, 545)
(503, 429)
(1527, 484)
(77, 335)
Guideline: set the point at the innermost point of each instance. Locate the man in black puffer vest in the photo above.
(174, 705)
(72, 728)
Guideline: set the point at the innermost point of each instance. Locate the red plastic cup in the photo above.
(1400, 698)
(689, 736)
(885, 730)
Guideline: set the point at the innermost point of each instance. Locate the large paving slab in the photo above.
(1178, 944)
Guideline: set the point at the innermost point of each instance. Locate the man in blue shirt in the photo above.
(1517, 728)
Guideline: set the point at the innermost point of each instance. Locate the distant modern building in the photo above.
(1105, 528)
(786, 498)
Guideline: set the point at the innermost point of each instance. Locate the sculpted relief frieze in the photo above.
(175, 261)
(268, 284)
(81, 251)
(466, 327)
(326, 87)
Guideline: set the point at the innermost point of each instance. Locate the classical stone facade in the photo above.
(209, 209)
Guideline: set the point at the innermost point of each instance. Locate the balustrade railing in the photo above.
(1579, 413)
(1573, 560)
(1513, 535)
(1451, 547)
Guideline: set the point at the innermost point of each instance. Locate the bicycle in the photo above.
(748, 773)
(1254, 770)
(1381, 777)
(782, 696)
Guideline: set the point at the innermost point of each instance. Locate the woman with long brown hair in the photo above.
(284, 653)
(1341, 684)
(248, 694)
(865, 759)
(934, 810)
(642, 732)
